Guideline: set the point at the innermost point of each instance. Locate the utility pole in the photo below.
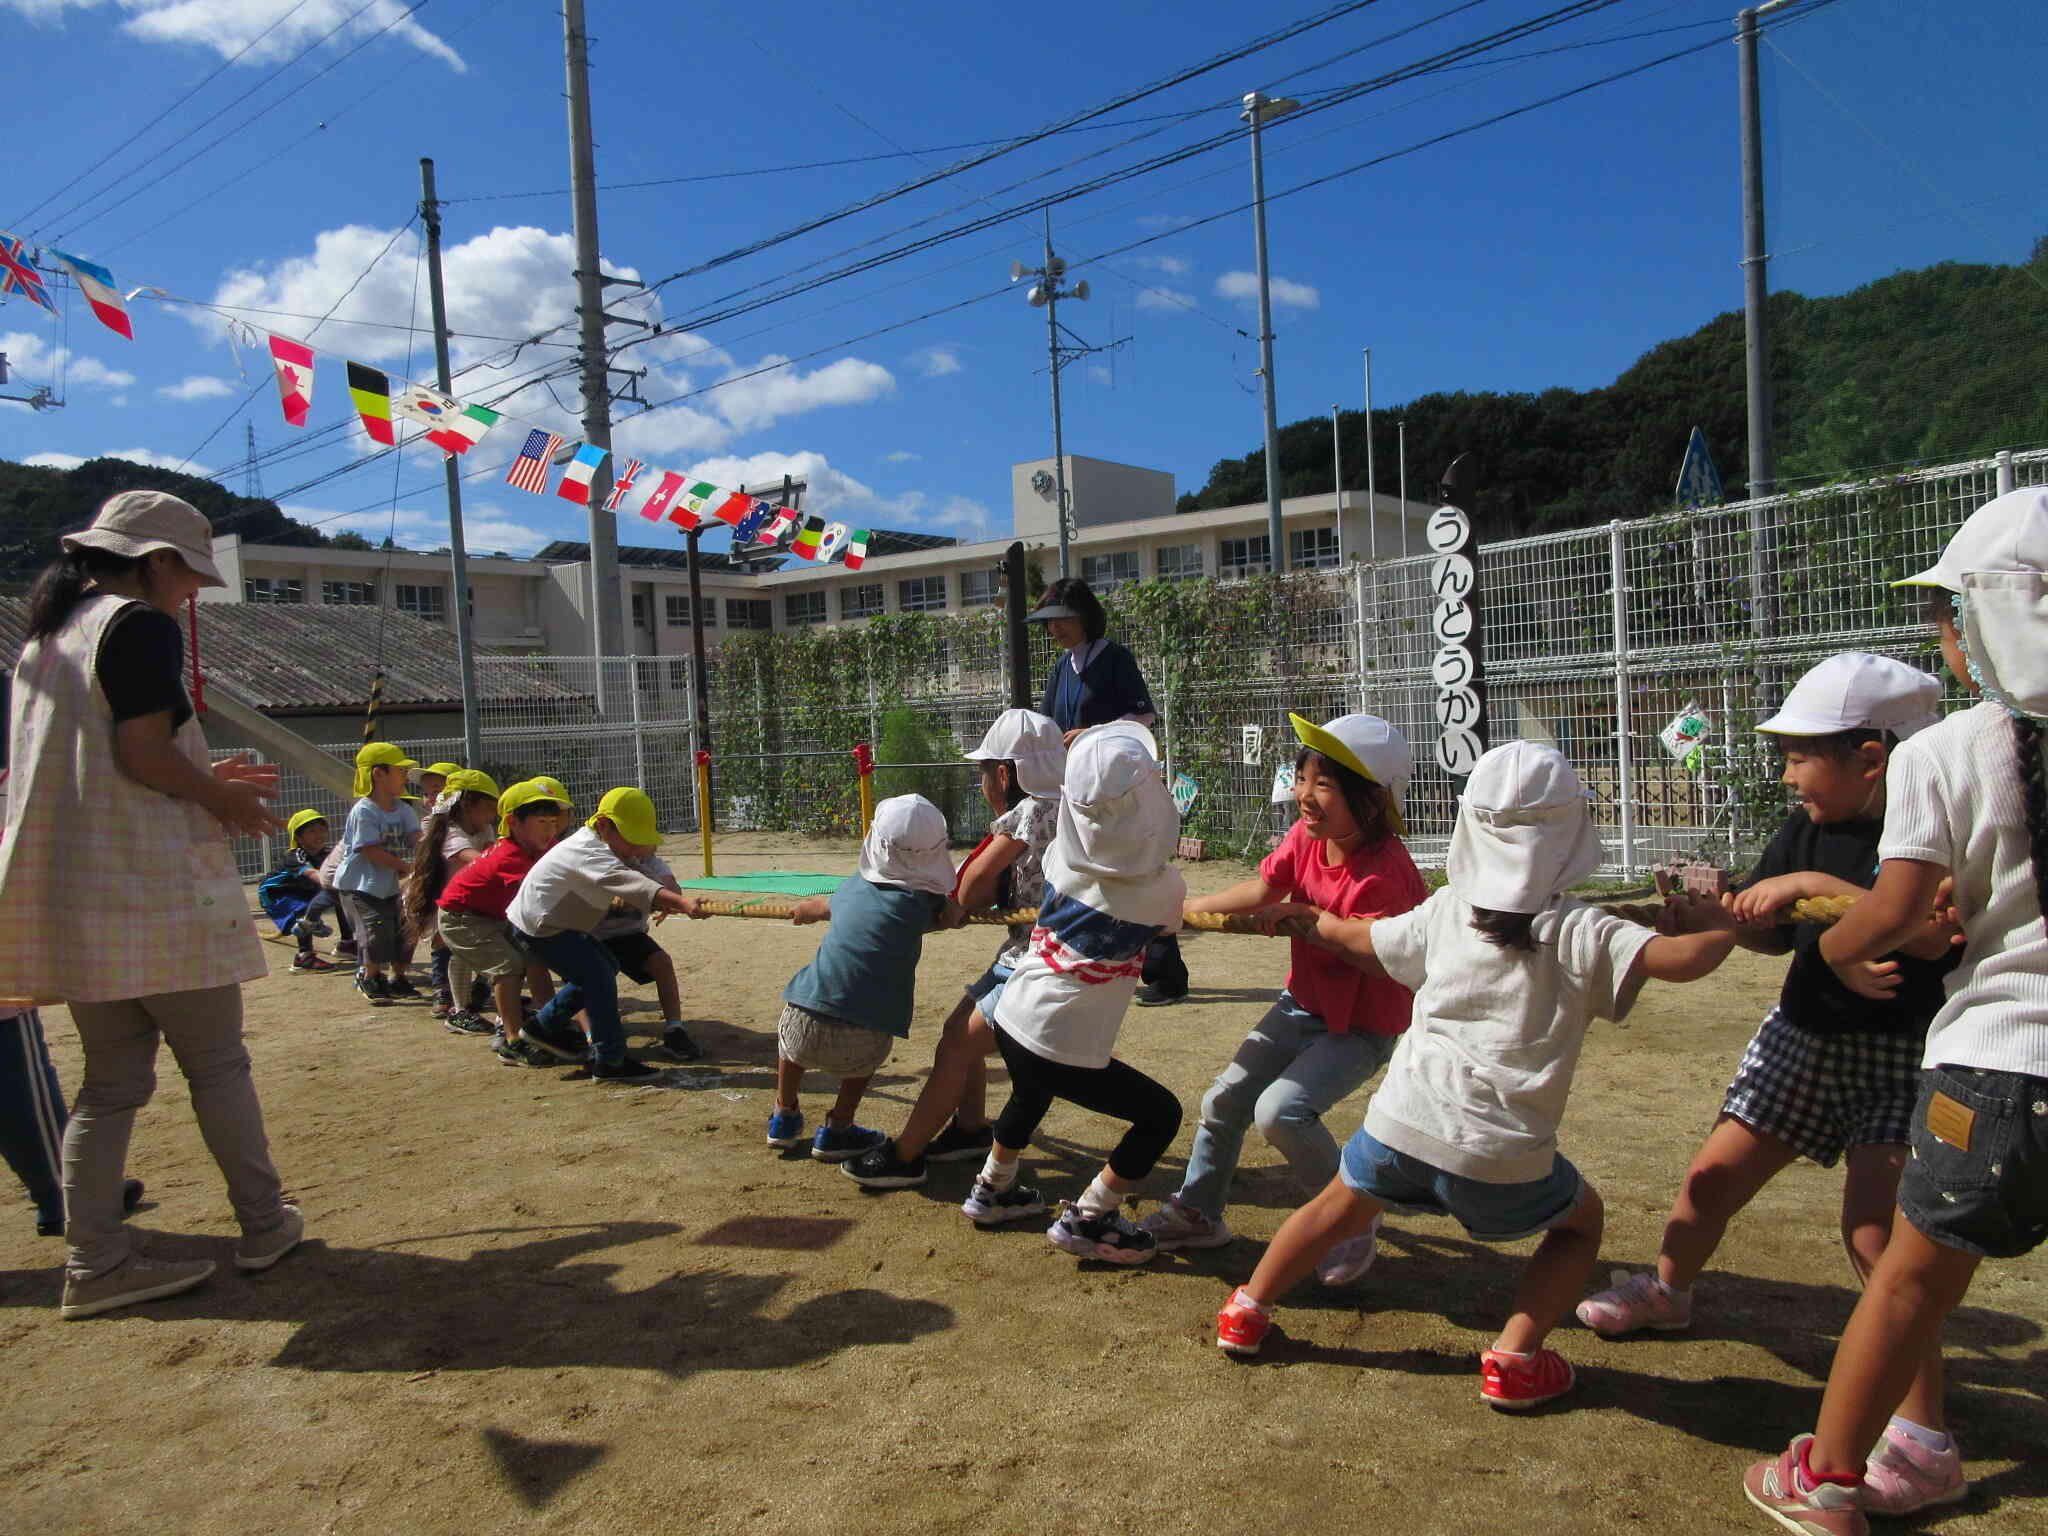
(1259, 110)
(1401, 437)
(458, 555)
(1337, 478)
(1756, 336)
(608, 630)
(1372, 509)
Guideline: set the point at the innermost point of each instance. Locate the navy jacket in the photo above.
(1111, 687)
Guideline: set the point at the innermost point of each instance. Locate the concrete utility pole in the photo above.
(458, 555)
(1258, 111)
(1372, 484)
(1756, 336)
(608, 629)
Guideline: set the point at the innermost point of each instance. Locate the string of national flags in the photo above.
(456, 426)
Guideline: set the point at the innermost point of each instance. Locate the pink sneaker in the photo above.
(1507, 1382)
(1826, 1509)
(1635, 1302)
(1904, 1476)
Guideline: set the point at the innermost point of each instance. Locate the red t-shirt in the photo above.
(1374, 882)
(487, 886)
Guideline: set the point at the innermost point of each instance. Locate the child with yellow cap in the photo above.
(433, 780)
(566, 895)
(292, 894)
(470, 912)
(377, 843)
(460, 826)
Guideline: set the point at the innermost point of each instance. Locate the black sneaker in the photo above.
(462, 1022)
(1152, 995)
(629, 1069)
(987, 1206)
(1109, 1236)
(562, 1040)
(374, 988)
(677, 1042)
(881, 1168)
(954, 1145)
(402, 989)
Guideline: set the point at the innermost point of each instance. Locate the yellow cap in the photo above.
(378, 754)
(1370, 748)
(554, 787)
(470, 781)
(631, 812)
(443, 769)
(513, 796)
(301, 819)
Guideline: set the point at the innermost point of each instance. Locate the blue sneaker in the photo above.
(786, 1128)
(843, 1143)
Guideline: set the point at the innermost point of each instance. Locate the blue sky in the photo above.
(1548, 250)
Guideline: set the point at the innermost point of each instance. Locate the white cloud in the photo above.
(937, 362)
(837, 495)
(1165, 298)
(35, 363)
(751, 403)
(135, 455)
(903, 456)
(200, 386)
(1287, 294)
(1172, 266)
(271, 30)
(485, 529)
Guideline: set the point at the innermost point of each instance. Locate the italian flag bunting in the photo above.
(857, 548)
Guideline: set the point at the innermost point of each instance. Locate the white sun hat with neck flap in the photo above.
(906, 846)
(1033, 742)
(1524, 833)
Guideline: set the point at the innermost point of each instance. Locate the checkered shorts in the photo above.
(1823, 1094)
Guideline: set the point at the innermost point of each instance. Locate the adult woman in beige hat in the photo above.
(118, 894)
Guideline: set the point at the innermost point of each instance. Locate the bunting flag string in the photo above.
(529, 471)
(370, 389)
(830, 540)
(623, 484)
(579, 472)
(857, 548)
(656, 506)
(806, 545)
(97, 284)
(293, 361)
(18, 273)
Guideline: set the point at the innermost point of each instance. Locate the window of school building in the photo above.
(803, 608)
(676, 612)
(979, 589)
(1239, 558)
(1103, 572)
(862, 602)
(748, 613)
(349, 594)
(639, 610)
(429, 603)
(921, 594)
(1180, 562)
(273, 589)
(1311, 548)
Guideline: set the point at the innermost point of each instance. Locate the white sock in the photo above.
(1244, 1298)
(1928, 1439)
(1098, 1199)
(1001, 1174)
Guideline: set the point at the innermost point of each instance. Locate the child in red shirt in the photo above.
(473, 904)
(1332, 1027)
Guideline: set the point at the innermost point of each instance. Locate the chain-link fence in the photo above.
(1595, 641)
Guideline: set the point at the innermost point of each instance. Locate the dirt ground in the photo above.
(532, 1302)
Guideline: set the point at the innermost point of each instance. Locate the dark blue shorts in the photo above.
(1492, 1213)
(1978, 1177)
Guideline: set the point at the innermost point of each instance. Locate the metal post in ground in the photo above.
(2005, 476)
(1016, 603)
(1624, 757)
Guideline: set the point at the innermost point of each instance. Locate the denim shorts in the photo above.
(1492, 1213)
(987, 989)
(1978, 1177)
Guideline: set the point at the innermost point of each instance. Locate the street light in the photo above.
(1045, 293)
(1258, 111)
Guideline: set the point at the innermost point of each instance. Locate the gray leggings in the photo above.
(204, 1031)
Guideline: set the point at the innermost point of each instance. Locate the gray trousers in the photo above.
(204, 1031)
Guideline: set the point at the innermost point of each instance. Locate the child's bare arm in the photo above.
(983, 873)
(1246, 896)
(1350, 937)
(1685, 912)
(812, 909)
(666, 900)
(1685, 956)
(1885, 917)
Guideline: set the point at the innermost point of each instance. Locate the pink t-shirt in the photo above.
(1373, 882)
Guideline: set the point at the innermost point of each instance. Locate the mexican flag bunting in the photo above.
(293, 361)
(699, 499)
(451, 426)
(370, 388)
(830, 540)
(579, 472)
(623, 484)
(664, 492)
(806, 545)
(857, 548)
(97, 284)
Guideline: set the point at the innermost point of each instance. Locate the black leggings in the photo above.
(1118, 1090)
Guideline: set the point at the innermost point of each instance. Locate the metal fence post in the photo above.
(2005, 480)
(639, 729)
(1624, 756)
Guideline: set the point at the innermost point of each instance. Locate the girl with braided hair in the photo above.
(1966, 824)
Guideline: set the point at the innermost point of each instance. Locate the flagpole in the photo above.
(458, 555)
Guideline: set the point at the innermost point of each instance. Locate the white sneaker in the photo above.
(1350, 1259)
(1175, 1225)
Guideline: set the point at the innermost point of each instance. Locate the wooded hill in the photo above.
(1944, 363)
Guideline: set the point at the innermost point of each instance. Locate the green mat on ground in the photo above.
(779, 882)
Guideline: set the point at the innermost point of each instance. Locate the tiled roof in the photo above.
(321, 658)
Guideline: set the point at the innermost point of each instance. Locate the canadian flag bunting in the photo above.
(294, 363)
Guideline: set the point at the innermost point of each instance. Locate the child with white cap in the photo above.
(1968, 804)
(1332, 1027)
(1507, 973)
(844, 1012)
(568, 892)
(1023, 758)
(1832, 1072)
(1108, 893)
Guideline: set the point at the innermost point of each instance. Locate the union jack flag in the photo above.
(17, 275)
(623, 484)
(530, 470)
